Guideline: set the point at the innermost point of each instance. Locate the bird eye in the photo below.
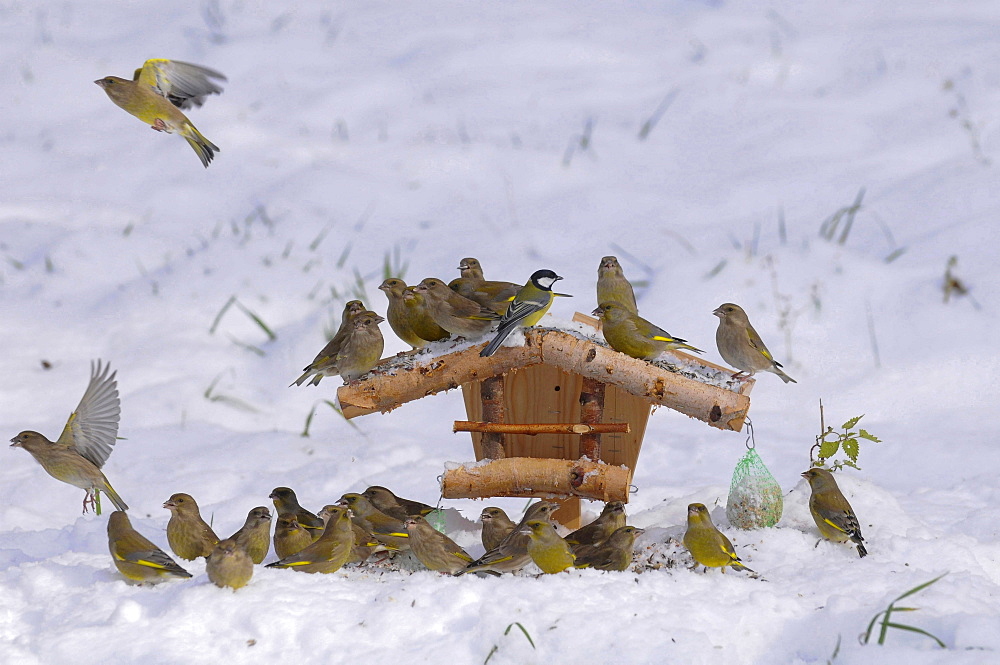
(109, 81)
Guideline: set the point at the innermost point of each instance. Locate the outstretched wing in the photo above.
(184, 84)
(92, 428)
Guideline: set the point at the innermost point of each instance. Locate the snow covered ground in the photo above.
(359, 134)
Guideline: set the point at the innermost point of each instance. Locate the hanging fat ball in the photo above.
(326, 359)
(526, 309)
(831, 511)
(741, 346)
(77, 456)
(612, 285)
(634, 336)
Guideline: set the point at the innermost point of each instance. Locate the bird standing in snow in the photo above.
(708, 545)
(831, 511)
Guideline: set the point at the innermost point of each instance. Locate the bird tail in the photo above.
(689, 348)
(862, 552)
(495, 343)
(204, 148)
(776, 368)
(113, 495)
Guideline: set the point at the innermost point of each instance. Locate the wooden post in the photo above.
(492, 394)
(591, 412)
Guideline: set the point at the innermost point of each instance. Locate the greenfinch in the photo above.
(255, 534)
(496, 526)
(187, 533)
(419, 317)
(396, 506)
(615, 553)
(387, 530)
(77, 456)
(434, 549)
(329, 353)
(472, 285)
(548, 549)
(456, 314)
(398, 314)
(611, 519)
(634, 336)
(526, 309)
(327, 554)
(285, 502)
(290, 536)
(364, 543)
(741, 346)
(707, 545)
(137, 558)
(157, 93)
(360, 351)
(612, 285)
(512, 552)
(229, 565)
(831, 511)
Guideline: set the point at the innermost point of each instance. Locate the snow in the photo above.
(359, 134)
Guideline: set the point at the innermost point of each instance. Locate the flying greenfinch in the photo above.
(512, 552)
(419, 317)
(361, 350)
(327, 554)
(492, 295)
(611, 519)
(157, 93)
(364, 543)
(290, 536)
(188, 534)
(387, 530)
(83, 447)
(396, 506)
(496, 526)
(741, 346)
(456, 314)
(328, 355)
(612, 285)
(548, 549)
(707, 545)
(634, 336)
(398, 314)
(831, 511)
(615, 553)
(434, 549)
(137, 558)
(255, 534)
(526, 309)
(229, 565)
(285, 503)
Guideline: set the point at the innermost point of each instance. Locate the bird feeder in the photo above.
(561, 417)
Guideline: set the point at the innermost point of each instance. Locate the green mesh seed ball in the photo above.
(755, 499)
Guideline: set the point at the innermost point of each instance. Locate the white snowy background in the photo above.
(356, 134)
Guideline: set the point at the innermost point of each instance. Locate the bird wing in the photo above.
(93, 427)
(520, 310)
(659, 334)
(844, 522)
(151, 559)
(757, 343)
(184, 84)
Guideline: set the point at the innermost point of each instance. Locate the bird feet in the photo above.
(159, 125)
(89, 500)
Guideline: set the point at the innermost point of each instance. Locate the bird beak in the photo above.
(557, 278)
(379, 319)
(169, 504)
(383, 287)
(463, 266)
(100, 82)
(639, 532)
(15, 443)
(805, 474)
(597, 312)
(718, 312)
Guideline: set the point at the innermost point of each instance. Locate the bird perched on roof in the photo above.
(229, 565)
(77, 456)
(494, 295)
(512, 552)
(831, 511)
(326, 358)
(526, 309)
(255, 534)
(327, 554)
(396, 506)
(286, 503)
(611, 519)
(387, 530)
(634, 336)
(419, 317)
(290, 536)
(741, 346)
(496, 526)
(398, 314)
(456, 314)
(364, 544)
(136, 557)
(708, 545)
(548, 549)
(361, 350)
(188, 534)
(615, 553)
(157, 93)
(612, 285)
(434, 549)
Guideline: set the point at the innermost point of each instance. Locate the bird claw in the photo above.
(89, 499)
(158, 125)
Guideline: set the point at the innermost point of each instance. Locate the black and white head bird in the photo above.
(527, 307)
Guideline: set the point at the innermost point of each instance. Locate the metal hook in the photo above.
(633, 489)
(751, 442)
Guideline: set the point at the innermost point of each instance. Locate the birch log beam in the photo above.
(529, 476)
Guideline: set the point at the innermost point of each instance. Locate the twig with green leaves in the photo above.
(829, 442)
(888, 623)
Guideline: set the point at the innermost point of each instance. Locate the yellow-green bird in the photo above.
(364, 543)
(496, 526)
(526, 309)
(611, 519)
(255, 534)
(548, 549)
(398, 314)
(708, 545)
(512, 552)
(387, 530)
(329, 553)
(396, 506)
(419, 317)
(328, 356)
(612, 285)
(456, 314)
(157, 93)
(290, 536)
(831, 511)
(286, 503)
(137, 558)
(615, 553)
(188, 534)
(361, 350)
(634, 336)
(229, 565)
(741, 346)
(77, 456)
(434, 549)
(494, 295)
